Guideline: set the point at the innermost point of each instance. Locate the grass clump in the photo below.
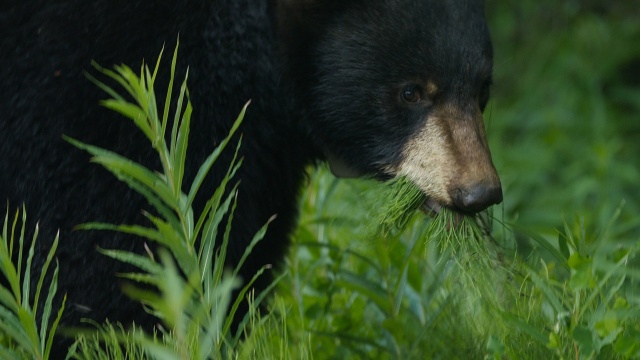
(88, 345)
(399, 199)
(464, 242)
(580, 301)
(22, 336)
(389, 295)
(436, 290)
(466, 237)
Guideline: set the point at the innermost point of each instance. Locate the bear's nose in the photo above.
(477, 198)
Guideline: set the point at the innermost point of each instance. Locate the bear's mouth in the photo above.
(431, 207)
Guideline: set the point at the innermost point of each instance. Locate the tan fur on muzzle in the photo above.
(449, 153)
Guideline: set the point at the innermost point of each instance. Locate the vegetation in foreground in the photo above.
(553, 273)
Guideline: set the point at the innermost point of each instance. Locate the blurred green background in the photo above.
(564, 120)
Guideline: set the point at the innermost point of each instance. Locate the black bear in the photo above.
(376, 87)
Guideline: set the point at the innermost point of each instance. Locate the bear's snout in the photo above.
(477, 197)
(448, 158)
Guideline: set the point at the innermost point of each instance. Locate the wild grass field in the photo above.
(553, 272)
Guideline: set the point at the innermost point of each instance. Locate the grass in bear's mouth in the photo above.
(465, 237)
(401, 198)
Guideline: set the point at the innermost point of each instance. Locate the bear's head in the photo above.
(396, 87)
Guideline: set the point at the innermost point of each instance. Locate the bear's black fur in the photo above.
(353, 81)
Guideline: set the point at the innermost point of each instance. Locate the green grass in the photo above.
(553, 272)
(399, 198)
(27, 325)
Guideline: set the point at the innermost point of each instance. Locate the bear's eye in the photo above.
(411, 94)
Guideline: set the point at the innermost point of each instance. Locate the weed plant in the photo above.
(27, 325)
(183, 283)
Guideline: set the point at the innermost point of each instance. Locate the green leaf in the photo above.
(576, 261)
(27, 320)
(119, 165)
(134, 84)
(553, 343)
(133, 112)
(212, 213)
(371, 290)
(214, 331)
(9, 270)
(621, 303)
(142, 278)
(159, 351)
(582, 272)
(256, 238)
(180, 155)
(628, 345)
(179, 130)
(607, 325)
(553, 297)
(141, 231)
(136, 260)
(222, 251)
(45, 268)
(242, 295)
(11, 326)
(176, 242)
(603, 280)
(167, 99)
(584, 338)
(206, 166)
(46, 313)
(8, 300)
(112, 93)
(174, 294)
(26, 281)
(526, 328)
(495, 347)
(147, 101)
(10, 354)
(54, 328)
(146, 296)
(549, 247)
(563, 247)
(21, 238)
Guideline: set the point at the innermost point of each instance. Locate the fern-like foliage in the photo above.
(192, 293)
